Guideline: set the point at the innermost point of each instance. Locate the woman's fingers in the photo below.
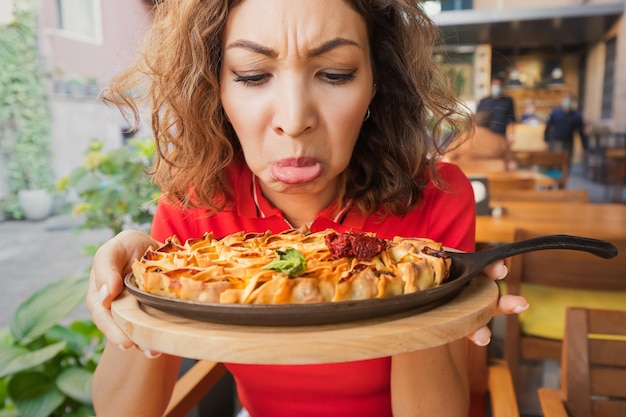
(507, 304)
(111, 262)
(511, 304)
(481, 337)
(114, 259)
(102, 317)
(496, 270)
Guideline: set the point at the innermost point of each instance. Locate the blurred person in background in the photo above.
(529, 117)
(561, 125)
(499, 106)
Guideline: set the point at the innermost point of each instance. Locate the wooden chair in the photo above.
(615, 176)
(593, 367)
(492, 392)
(552, 281)
(578, 196)
(555, 164)
(491, 386)
(193, 386)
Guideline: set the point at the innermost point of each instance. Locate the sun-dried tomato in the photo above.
(359, 245)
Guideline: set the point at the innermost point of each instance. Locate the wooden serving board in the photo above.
(359, 340)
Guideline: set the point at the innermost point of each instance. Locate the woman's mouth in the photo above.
(296, 170)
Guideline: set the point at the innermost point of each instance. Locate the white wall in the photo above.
(79, 119)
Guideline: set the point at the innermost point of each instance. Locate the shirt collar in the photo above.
(250, 202)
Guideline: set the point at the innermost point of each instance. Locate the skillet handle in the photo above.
(596, 247)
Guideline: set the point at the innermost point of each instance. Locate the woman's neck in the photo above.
(300, 209)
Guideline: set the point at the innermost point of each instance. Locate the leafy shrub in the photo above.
(46, 368)
(25, 118)
(113, 189)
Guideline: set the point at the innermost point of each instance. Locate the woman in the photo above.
(272, 114)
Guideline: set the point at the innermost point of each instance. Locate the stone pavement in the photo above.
(33, 254)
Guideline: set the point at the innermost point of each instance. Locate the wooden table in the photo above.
(583, 219)
(541, 180)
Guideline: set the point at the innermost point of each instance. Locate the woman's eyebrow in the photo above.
(253, 47)
(331, 44)
(269, 52)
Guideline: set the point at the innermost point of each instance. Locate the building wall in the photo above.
(124, 23)
(619, 103)
(594, 68)
(6, 11)
(80, 118)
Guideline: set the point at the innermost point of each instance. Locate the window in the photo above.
(433, 7)
(80, 19)
(456, 5)
(608, 84)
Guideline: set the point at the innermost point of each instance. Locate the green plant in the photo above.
(113, 189)
(10, 206)
(25, 118)
(46, 368)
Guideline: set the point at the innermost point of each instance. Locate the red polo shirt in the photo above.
(340, 389)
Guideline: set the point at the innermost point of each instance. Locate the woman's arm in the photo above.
(127, 383)
(431, 382)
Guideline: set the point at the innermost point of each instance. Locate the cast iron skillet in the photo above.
(464, 267)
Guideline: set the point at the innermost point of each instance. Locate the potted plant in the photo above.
(92, 87)
(25, 118)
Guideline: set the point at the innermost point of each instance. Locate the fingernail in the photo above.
(480, 342)
(124, 348)
(151, 354)
(520, 309)
(503, 271)
(482, 336)
(103, 293)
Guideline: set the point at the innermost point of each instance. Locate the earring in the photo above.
(367, 114)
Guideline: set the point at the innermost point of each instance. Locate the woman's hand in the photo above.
(111, 263)
(507, 304)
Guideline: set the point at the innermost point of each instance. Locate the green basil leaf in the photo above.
(290, 262)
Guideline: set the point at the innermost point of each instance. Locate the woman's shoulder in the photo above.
(451, 188)
(450, 172)
(446, 212)
(172, 217)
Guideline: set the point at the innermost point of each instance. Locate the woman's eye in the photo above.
(251, 80)
(338, 77)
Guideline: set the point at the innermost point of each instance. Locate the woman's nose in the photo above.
(294, 109)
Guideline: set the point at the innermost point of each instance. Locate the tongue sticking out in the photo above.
(296, 173)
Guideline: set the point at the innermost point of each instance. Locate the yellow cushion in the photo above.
(546, 315)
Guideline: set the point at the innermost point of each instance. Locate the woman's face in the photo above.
(296, 82)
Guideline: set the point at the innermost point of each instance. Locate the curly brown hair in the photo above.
(177, 76)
